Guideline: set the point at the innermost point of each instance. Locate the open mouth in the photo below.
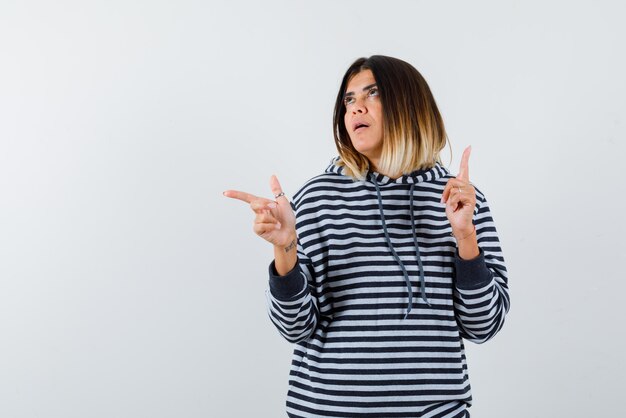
(358, 127)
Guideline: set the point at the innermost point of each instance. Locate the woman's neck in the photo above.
(374, 167)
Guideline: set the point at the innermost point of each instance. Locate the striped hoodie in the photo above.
(380, 303)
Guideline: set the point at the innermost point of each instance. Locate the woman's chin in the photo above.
(368, 152)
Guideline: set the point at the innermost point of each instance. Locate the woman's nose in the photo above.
(359, 107)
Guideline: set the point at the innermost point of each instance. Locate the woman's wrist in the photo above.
(460, 236)
(467, 244)
(290, 245)
(286, 256)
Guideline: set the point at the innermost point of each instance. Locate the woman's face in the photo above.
(364, 115)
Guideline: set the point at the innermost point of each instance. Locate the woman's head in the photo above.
(404, 132)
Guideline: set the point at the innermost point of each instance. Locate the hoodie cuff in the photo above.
(472, 274)
(286, 287)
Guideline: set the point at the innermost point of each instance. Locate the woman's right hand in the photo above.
(275, 220)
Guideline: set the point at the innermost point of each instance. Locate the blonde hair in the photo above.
(413, 129)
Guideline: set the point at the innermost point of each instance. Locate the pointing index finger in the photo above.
(464, 168)
(243, 196)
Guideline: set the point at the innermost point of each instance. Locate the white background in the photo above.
(130, 287)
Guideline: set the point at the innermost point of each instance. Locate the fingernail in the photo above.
(271, 205)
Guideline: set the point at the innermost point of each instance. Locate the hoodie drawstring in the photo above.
(393, 251)
(417, 250)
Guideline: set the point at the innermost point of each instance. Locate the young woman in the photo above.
(385, 263)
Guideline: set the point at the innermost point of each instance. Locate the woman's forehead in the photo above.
(360, 80)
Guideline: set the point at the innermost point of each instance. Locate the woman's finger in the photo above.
(276, 188)
(265, 217)
(237, 194)
(452, 183)
(263, 228)
(445, 193)
(260, 205)
(467, 197)
(284, 209)
(454, 199)
(464, 167)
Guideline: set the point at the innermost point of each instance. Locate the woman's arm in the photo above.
(481, 299)
(291, 305)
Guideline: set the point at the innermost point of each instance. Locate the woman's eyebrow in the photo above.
(351, 93)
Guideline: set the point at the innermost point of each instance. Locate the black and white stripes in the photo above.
(344, 303)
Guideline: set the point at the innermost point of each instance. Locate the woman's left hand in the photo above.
(460, 198)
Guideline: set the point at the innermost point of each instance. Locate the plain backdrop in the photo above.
(130, 287)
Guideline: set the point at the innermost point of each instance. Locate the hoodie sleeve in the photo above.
(481, 295)
(291, 304)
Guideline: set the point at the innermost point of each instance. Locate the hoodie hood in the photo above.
(417, 176)
(380, 180)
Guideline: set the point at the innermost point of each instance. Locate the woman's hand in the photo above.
(275, 221)
(460, 198)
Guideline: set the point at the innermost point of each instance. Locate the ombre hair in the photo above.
(413, 129)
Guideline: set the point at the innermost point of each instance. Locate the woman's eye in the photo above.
(373, 92)
(348, 100)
